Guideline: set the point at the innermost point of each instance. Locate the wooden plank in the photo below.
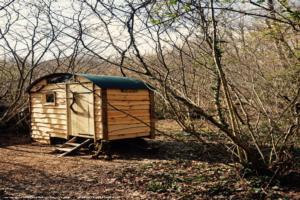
(68, 110)
(128, 121)
(98, 118)
(128, 117)
(64, 148)
(42, 141)
(99, 130)
(29, 98)
(128, 127)
(58, 91)
(128, 107)
(127, 92)
(123, 114)
(132, 135)
(50, 121)
(152, 115)
(134, 113)
(38, 105)
(49, 110)
(51, 134)
(97, 103)
(38, 125)
(49, 115)
(98, 113)
(46, 128)
(40, 95)
(44, 124)
(59, 135)
(72, 144)
(94, 116)
(49, 131)
(127, 98)
(75, 148)
(82, 120)
(128, 103)
(81, 79)
(52, 86)
(41, 137)
(81, 87)
(40, 101)
(104, 114)
(37, 132)
(129, 131)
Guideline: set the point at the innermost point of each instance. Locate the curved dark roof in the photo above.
(116, 82)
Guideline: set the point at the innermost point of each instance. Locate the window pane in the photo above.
(50, 98)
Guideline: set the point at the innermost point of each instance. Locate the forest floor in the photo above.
(173, 169)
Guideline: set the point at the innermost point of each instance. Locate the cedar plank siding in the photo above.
(128, 113)
(98, 113)
(117, 113)
(48, 120)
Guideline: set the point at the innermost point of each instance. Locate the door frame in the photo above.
(69, 98)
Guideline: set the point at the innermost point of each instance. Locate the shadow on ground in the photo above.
(8, 138)
(22, 180)
(138, 149)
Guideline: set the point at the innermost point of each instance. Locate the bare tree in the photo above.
(25, 40)
(175, 45)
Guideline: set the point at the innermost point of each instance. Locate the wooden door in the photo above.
(81, 110)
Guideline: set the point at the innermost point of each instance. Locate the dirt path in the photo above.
(176, 170)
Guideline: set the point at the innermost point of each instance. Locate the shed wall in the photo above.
(128, 113)
(48, 120)
(98, 112)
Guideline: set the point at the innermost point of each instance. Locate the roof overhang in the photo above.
(111, 82)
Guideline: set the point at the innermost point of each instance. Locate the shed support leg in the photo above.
(103, 147)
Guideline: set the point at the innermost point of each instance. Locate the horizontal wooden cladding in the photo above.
(38, 105)
(47, 127)
(128, 120)
(42, 141)
(128, 130)
(127, 92)
(40, 95)
(131, 113)
(47, 131)
(50, 121)
(97, 93)
(58, 101)
(131, 135)
(98, 118)
(38, 134)
(48, 116)
(54, 86)
(112, 107)
(128, 103)
(116, 128)
(132, 95)
(128, 97)
(59, 135)
(98, 131)
(49, 110)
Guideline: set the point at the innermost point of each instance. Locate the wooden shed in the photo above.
(65, 105)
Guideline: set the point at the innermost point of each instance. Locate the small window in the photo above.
(50, 98)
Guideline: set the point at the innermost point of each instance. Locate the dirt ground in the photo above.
(170, 170)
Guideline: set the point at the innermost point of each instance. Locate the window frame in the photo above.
(54, 99)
